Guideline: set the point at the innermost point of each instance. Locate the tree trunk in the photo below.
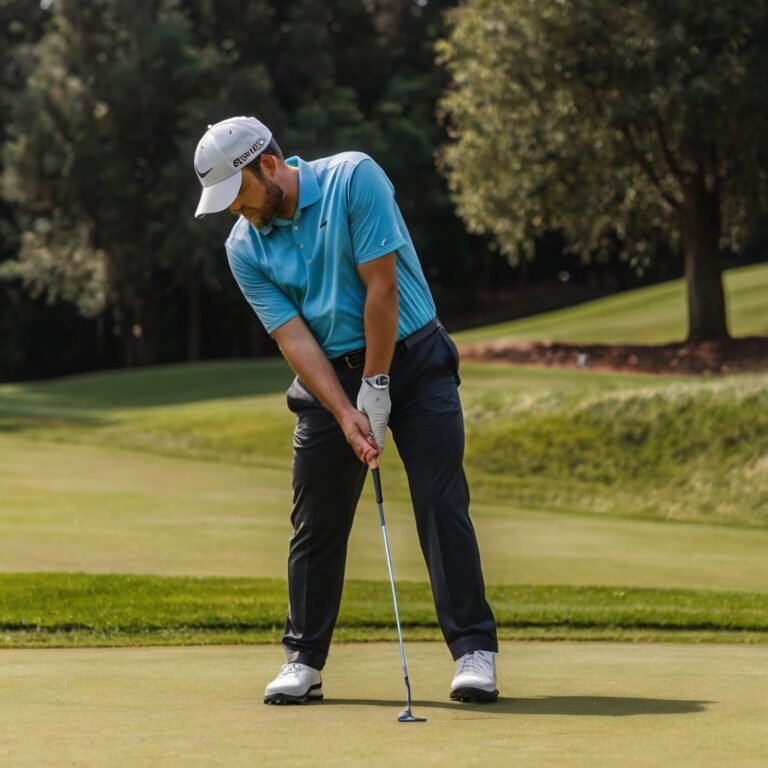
(127, 340)
(100, 340)
(147, 332)
(193, 320)
(701, 224)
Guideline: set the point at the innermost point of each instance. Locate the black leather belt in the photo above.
(356, 359)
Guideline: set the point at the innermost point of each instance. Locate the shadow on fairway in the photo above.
(17, 423)
(594, 706)
(152, 386)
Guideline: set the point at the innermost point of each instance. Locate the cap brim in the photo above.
(219, 196)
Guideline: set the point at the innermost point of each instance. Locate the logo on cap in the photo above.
(240, 160)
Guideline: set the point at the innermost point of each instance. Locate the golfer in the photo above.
(322, 254)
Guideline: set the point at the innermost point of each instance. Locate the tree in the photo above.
(101, 126)
(99, 165)
(615, 123)
(22, 25)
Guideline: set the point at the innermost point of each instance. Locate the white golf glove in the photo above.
(373, 400)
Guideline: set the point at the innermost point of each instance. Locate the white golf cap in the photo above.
(219, 157)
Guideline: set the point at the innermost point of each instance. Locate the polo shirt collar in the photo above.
(309, 189)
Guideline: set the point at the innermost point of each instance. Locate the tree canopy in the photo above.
(629, 126)
(590, 126)
(100, 130)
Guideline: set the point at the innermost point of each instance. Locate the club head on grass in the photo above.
(407, 717)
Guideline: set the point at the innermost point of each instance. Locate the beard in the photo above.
(260, 217)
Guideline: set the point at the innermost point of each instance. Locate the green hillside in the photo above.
(695, 449)
(641, 446)
(652, 315)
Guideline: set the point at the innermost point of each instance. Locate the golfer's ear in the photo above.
(268, 164)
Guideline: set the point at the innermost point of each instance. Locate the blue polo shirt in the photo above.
(346, 216)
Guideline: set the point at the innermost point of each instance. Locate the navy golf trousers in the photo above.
(428, 428)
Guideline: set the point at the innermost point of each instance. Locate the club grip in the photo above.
(377, 485)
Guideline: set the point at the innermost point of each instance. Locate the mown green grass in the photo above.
(654, 447)
(653, 315)
(146, 387)
(567, 705)
(100, 509)
(87, 609)
(241, 419)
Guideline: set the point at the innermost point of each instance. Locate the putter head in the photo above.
(406, 716)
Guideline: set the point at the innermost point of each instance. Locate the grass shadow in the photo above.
(19, 423)
(580, 706)
(150, 387)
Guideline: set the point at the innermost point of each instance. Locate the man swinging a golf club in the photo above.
(322, 254)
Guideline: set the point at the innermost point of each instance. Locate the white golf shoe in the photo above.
(295, 684)
(475, 678)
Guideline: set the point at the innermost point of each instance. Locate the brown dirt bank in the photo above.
(733, 356)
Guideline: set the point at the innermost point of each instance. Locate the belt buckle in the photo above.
(355, 359)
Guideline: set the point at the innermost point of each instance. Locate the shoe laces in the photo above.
(476, 662)
(289, 669)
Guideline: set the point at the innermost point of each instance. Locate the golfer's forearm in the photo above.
(306, 357)
(381, 322)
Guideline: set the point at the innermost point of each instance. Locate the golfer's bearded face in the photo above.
(258, 199)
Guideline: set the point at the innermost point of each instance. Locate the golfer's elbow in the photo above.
(291, 335)
(382, 295)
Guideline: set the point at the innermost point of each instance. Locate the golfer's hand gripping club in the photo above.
(373, 400)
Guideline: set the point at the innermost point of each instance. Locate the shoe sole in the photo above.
(313, 694)
(474, 695)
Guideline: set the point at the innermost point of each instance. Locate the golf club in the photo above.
(406, 716)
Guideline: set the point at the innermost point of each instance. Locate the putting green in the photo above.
(104, 510)
(565, 704)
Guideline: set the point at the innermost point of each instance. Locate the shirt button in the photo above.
(295, 228)
(301, 245)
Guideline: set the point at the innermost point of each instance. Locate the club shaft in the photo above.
(394, 596)
(380, 504)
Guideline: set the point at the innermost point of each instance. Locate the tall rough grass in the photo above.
(695, 450)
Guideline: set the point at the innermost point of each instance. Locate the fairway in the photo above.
(106, 510)
(649, 447)
(563, 704)
(653, 315)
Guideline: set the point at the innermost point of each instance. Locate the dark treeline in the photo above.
(102, 101)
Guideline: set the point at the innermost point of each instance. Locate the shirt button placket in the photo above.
(300, 244)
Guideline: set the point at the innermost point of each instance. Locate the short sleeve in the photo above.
(269, 302)
(372, 213)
